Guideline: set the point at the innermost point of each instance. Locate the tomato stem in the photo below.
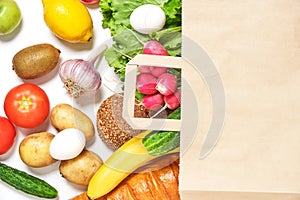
(25, 103)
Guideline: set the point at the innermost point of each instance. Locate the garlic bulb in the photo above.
(80, 76)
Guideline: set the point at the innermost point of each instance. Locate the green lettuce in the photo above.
(126, 42)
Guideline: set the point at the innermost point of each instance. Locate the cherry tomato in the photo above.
(27, 105)
(7, 135)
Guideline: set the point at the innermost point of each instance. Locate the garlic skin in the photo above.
(79, 77)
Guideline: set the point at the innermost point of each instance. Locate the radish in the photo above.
(146, 84)
(153, 47)
(144, 69)
(173, 101)
(166, 84)
(153, 102)
(157, 71)
(89, 2)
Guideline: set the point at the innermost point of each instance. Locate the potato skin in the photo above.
(35, 61)
(80, 169)
(34, 149)
(64, 116)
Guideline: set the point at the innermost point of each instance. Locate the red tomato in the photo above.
(27, 105)
(7, 135)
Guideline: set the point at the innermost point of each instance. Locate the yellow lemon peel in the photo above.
(69, 20)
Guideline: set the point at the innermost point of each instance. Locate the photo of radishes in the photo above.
(158, 88)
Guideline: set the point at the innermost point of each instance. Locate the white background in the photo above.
(33, 30)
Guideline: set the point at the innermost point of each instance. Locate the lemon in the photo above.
(69, 20)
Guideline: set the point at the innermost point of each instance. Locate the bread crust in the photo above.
(112, 128)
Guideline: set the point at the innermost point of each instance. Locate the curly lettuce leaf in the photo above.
(116, 13)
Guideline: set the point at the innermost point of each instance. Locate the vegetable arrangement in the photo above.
(127, 42)
(27, 105)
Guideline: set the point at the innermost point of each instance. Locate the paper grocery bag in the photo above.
(254, 45)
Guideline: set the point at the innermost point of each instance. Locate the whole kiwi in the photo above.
(35, 61)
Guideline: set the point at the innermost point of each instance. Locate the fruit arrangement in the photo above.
(55, 98)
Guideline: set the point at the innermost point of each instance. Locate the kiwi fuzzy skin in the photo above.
(35, 61)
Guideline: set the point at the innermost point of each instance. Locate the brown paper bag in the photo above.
(255, 47)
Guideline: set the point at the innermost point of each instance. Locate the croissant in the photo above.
(160, 184)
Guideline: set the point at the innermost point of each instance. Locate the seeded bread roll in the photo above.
(112, 128)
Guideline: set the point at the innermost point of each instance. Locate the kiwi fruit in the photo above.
(35, 61)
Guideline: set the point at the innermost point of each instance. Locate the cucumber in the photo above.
(27, 183)
(161, 142)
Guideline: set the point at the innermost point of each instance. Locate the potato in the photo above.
(35, 61)
(80, 169)
(34, 149)
(64, 116)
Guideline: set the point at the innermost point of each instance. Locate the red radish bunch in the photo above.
(160, 90)
(159, 87)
